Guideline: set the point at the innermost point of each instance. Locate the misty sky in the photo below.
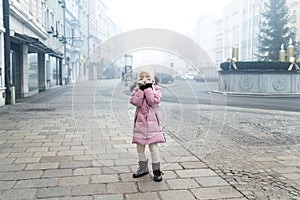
(176, 15)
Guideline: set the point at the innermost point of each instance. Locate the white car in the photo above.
(189, 76)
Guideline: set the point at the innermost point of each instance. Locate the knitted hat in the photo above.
(147, 70)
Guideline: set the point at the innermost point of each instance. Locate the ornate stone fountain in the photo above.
(259, 77)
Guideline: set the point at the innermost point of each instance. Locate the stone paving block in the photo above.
(291, 163)
(181, 159)
(152, 186)
(176, 195)
(49, 159)
(3, 141)
(70, 143)
(190, 173)
(69, 153)
(79, 148)
(288, 157)
(211, 181)
(70, 198)
(123, 145)
(168, 175)
(127, 177)
(58, 173)
(104, 178)
(116, 169)
(32, 166)
(98, 163)
(123, 138)
(20, 155)
(44, 154)
(171, 166)
(5, 161)
(216, 193)
(5, 185)
(60, 148)
(87, 171)
(181, 184)
(74, 180)
(18, 141)
(108, 156)
(130, 151)
(115, 151)
(292, 176)
(121, 188)
(75, 164)
(30, 145)
(3, 155)
(193, 165)
(12, 167)
(13, 150)
(109, 197)
(125, 161)
(131, 155)
(92, 151)
(35, 149)
(263, 158)
(27, 160)
(54, 192)
(84, 157)
(143, 196)
(6, 146)
(285, 169)
(19, 175)
(19, 194)
(36, 183)
(89, 189)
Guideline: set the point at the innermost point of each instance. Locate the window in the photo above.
(44, 14)
(49, 21)
(37, 10)
(30, 6)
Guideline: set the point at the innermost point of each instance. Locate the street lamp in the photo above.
(172, 65)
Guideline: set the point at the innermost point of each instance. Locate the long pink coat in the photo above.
(148, 127)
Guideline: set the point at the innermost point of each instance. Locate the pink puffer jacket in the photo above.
(147, 119)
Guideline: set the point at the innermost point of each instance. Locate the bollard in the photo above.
(13, 95)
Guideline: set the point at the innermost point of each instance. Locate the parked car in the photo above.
(189, 76)
(165, 78)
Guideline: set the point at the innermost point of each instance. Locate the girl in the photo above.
(147, 129)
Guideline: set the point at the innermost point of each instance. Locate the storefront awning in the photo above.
(36, 43)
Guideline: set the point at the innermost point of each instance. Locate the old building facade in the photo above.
(49, 44)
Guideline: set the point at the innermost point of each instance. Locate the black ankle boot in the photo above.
(157, 175)
(156, 172)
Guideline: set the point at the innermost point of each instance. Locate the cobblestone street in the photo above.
(74, 142)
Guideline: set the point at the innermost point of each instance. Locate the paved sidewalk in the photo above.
(65, 144)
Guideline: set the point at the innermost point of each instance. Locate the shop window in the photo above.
(32, 72)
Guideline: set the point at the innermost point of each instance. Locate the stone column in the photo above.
(24, 71)
(42, 71)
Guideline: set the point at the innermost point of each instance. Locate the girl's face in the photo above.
(144, 76)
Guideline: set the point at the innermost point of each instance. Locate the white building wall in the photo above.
(2, 75)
